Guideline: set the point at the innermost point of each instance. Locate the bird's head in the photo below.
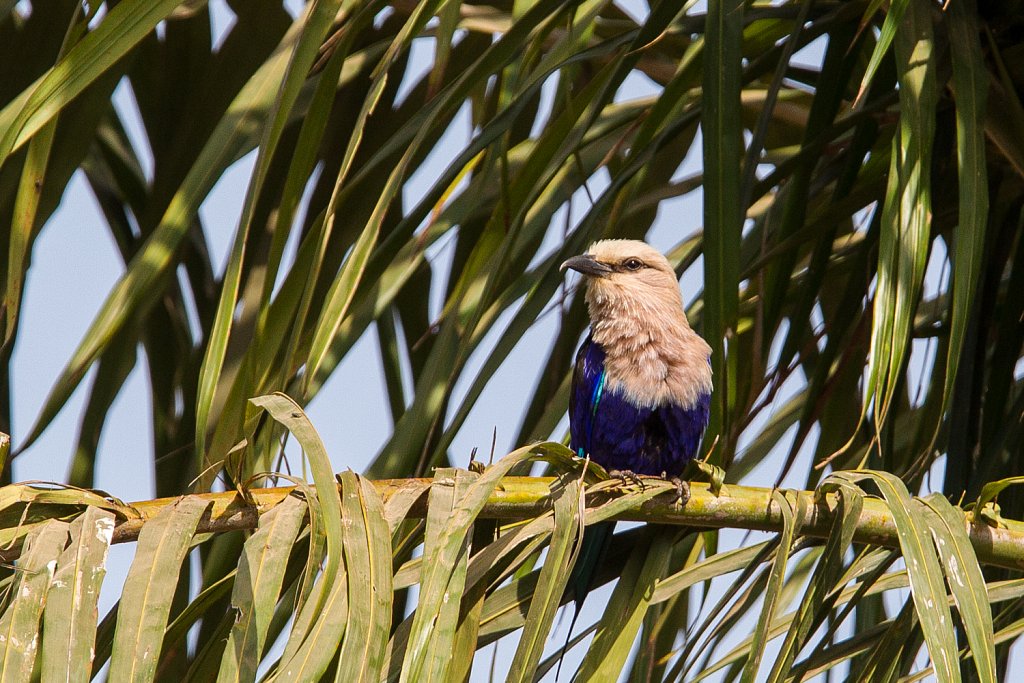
(636, 316)
(626, 275)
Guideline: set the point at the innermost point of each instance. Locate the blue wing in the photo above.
(585, 396)
(622, 436)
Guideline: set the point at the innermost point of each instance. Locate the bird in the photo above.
(641, 388)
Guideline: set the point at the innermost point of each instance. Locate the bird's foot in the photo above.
(627, 477)
(682, 489)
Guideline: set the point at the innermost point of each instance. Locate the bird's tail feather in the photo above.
(596, 541)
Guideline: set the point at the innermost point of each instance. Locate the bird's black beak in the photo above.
(587, 265)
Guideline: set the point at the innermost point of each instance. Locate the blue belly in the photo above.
(619, 435)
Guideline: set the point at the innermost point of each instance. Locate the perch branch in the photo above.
(737, 507)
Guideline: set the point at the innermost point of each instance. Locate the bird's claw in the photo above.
(627, 477)
(630, 477)
(682, 490)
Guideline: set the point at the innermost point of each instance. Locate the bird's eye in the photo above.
(633, 264)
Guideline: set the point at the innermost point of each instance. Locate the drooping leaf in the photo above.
(19, 623)
(257, 585)
(146, 598)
